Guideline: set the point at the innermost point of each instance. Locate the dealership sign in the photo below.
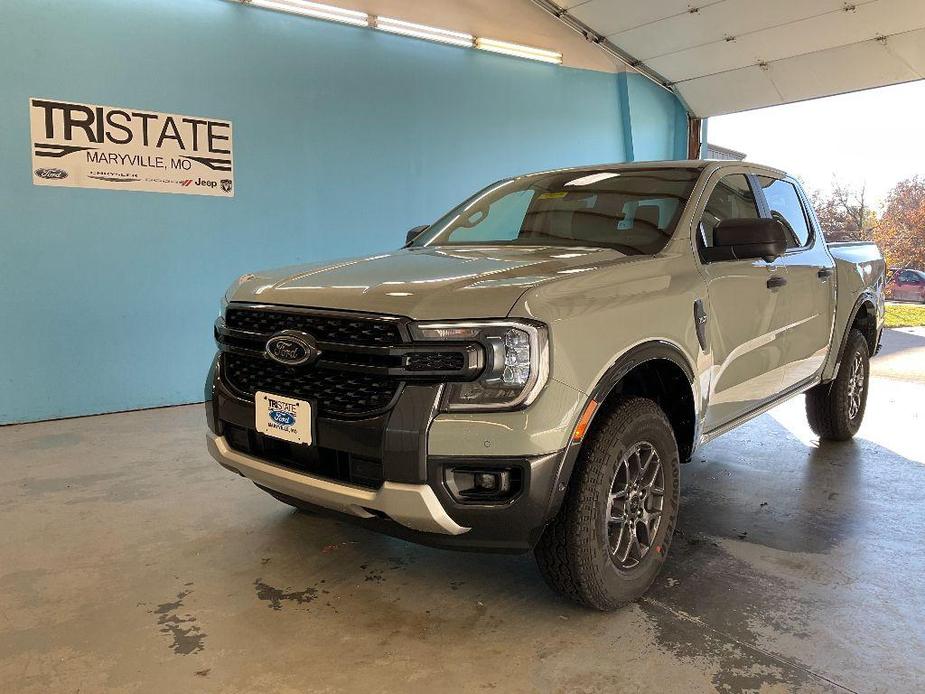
(90, 146)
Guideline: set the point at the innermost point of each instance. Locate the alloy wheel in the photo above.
(855, 386)
(634, 506)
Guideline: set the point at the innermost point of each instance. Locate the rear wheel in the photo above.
(611, 536)
(835, 410)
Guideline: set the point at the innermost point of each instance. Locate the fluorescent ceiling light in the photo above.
(399, 26)
(593, 178)
(314, 9)
(518, 50)
(422, 31)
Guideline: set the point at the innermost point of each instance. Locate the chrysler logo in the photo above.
(292, 348)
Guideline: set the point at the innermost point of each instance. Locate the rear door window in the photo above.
(784, 203)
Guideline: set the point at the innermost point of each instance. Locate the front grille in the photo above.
(435, 361)
(334, 392)
(369, 332)
(315, 460)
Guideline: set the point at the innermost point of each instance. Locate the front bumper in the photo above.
(413, 505)
(413, 501)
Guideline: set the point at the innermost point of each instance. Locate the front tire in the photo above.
(835, 410)
(611, 536)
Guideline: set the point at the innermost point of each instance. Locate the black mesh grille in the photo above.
(344, 330)
(435, 361)
(333, 391)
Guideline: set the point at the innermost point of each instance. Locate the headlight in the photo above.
(516, 362)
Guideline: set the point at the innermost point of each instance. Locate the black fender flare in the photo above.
(866, 297)
(629, 360)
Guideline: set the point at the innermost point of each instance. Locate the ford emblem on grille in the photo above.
(292, 348)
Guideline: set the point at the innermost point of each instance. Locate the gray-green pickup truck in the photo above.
(530, 371)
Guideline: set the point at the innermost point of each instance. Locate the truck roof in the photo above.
(712, 164)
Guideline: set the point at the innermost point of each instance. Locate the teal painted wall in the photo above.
(654, 121)
(343, 139)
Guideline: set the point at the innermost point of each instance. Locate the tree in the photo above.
(844, 213)
(901, 232)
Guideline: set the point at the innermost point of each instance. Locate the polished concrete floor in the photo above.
(130, 562)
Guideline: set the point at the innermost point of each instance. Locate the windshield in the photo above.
(631, 210)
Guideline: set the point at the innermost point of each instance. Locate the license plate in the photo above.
(283, 418)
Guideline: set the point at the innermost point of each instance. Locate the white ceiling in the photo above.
(732, 55)
(520, 21)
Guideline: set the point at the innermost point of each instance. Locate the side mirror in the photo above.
(414, 233)
(743, 239)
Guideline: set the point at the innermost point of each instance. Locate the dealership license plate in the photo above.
(283, 418)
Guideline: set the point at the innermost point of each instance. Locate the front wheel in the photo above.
(611, 536)
(835, 410)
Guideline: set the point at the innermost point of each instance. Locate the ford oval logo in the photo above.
(292, 348)
(51, 173)
(286, 419)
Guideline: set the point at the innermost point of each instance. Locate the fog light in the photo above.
(487, 481)
(470, 485)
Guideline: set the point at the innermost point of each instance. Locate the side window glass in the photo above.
(786, 207)
(731, 199)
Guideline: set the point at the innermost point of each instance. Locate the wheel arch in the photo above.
(864, 318)
(657, 370)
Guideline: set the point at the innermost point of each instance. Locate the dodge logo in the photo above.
(292, 348)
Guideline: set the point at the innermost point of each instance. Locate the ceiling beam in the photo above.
(611, 49)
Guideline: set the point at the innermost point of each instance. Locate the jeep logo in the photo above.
(292, 348)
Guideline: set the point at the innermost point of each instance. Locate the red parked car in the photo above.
(906, 285)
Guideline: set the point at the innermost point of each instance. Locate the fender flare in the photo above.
(633, 357)
(866, 297)
(626, 362)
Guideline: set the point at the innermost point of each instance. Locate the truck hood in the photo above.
(423, 283)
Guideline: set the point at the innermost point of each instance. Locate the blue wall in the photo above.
(654, 121)
(343, 139)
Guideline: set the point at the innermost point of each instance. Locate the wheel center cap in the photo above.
(635, 502)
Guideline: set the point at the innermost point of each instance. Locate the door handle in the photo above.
(824, 273)
(775, 282)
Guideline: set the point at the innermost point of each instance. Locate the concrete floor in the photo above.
(130, 562)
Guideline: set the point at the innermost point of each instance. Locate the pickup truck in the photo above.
(530, 371)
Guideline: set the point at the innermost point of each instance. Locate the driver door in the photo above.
(746, 312)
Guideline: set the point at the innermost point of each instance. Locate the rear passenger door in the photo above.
(744, 311)
(810, 291)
